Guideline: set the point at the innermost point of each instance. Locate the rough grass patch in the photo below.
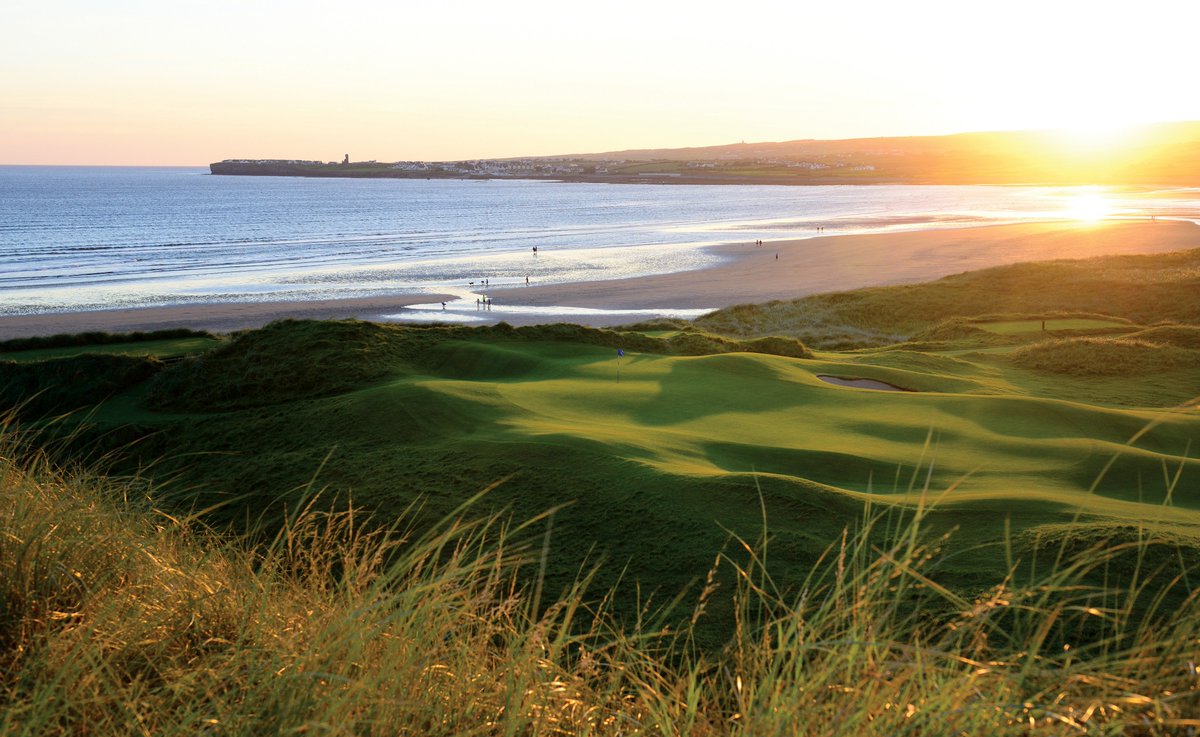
(1103, 357)
(1181, 336)
(120, 620)
(285, 360)
(59, 385)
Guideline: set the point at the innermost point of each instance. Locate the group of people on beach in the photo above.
(758, 244)
(484, 302)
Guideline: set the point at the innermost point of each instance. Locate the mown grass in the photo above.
(672, 456)
(118, 618)
(1009, 327)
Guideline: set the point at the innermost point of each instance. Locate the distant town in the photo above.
(1165, 153)
(733, 170)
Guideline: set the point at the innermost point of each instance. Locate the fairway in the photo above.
(651, 463)
(653, 473)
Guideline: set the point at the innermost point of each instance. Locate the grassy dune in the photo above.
(1142, 289)
(651, 472)
(1056, 459)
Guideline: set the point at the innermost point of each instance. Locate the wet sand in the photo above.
(837, 263)
(751, 274)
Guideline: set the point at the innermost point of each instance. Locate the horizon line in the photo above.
(1045, 129)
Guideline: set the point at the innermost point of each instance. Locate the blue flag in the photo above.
(620, 353)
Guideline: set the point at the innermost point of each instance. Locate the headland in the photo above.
(1157, 154)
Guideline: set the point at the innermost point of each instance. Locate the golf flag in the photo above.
(620, 353)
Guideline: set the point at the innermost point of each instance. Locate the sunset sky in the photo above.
(161, 82)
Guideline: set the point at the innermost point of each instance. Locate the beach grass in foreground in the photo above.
(120, 619)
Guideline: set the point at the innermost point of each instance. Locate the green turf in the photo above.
(1014, 327)
(651, 473)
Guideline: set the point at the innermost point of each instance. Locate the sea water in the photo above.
(84, 238)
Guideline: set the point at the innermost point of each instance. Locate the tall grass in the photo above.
(119, 619)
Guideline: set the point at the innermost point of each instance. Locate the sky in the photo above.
(179, 82)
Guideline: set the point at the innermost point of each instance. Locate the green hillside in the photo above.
(1151, 289)
(1044, 437)
(651, 470)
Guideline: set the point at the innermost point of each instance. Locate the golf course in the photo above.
(1009, 426)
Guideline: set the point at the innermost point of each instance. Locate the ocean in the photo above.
(85, 238)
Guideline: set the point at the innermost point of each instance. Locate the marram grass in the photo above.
(116, 619)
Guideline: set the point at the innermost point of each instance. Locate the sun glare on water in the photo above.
(1087, 207)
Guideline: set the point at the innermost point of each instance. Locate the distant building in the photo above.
(346, 161)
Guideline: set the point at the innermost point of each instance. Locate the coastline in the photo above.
(748, 274)
(842, 262)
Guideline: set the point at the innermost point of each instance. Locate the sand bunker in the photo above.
(882, 386)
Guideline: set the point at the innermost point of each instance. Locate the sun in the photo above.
(1087, 207)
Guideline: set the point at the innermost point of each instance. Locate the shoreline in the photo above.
(749, 274)
(838, 263)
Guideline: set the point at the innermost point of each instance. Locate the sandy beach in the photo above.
(837, 263)
(776, 270)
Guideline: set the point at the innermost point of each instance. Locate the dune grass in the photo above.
(118, 618)
(98, 339)
(1143, 289)
(1124, 357)
(165, 348)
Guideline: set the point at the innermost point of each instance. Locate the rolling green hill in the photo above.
(697, 437)
(1147, 289)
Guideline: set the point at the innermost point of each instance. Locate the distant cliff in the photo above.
(1157, 154)
(298, 168)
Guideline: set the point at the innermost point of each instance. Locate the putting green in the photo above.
(1016, 327)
